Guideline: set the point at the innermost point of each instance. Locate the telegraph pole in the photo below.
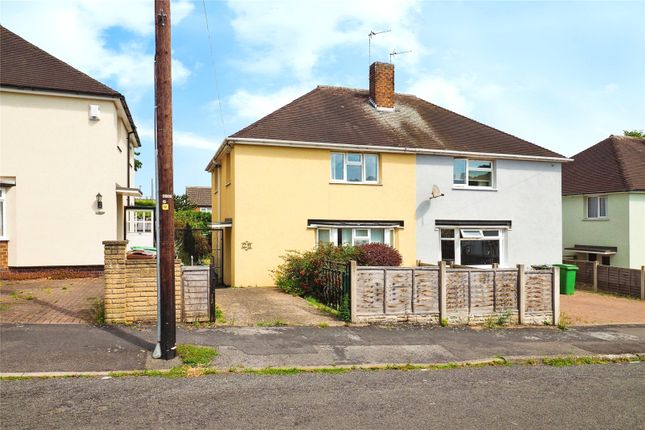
(166, 245)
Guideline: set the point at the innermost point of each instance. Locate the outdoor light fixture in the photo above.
(99, 201)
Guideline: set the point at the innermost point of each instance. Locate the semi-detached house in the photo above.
(350, 166)
(67, 147)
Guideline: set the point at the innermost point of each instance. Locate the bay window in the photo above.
(472, 173)
(352, 167)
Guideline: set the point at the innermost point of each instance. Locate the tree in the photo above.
(182, 202)
(137, 163)
(635, 133)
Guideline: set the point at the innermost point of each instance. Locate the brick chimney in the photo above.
(382, 85)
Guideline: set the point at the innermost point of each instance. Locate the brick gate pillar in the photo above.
(115, 280)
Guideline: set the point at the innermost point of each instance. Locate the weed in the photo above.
(272, 371)
(564, 322)
(219, 315)
(275, 323)
(3, 307)
(29, 297)
(98, 310)
(345, 311)
(193, 355)
(323, 325)
(444, 322)
(48, 290)
(504, 318)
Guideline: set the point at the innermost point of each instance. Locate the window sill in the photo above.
(596, 219)
(454, 187)
(378, 184)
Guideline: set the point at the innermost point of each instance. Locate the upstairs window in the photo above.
(597, 207)
(356, 168)
(472, 173)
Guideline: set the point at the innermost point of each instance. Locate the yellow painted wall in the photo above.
(276, 190)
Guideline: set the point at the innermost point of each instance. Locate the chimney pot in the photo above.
(382, 85)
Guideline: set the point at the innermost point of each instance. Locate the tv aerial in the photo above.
(395, 52)
(369, 46)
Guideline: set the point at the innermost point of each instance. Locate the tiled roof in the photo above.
(23, 65)
(345, 116)
(199, 196)
(27, 67)
(616, 164)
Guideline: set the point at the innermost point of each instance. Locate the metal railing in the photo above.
(334, 288)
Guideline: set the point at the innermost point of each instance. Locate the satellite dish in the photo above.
(436, 192)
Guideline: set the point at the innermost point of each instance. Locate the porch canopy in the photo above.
(592, 249)
(473, 223)
(331, 223)
(125, 191)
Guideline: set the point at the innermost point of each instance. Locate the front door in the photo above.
(139, 227)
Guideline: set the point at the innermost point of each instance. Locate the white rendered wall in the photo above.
(61, 160)
(527, 193)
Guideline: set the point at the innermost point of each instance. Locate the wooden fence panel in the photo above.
(538, 292)
(370, 292)
(426, 292)
(457, 290)
(482, 291)
(505, 290)
(398, 292)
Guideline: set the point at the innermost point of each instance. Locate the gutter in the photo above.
(230, 141)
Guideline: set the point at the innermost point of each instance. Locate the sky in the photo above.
(563, 75)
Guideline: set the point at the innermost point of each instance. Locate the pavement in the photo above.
(266, 306)
(50, 301)
(85, 348)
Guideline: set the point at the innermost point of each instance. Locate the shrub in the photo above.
(378, 254)
(299, 274)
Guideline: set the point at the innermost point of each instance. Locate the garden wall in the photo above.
(430, 294)
(131, 289)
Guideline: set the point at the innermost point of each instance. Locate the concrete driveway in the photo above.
(260, 306)
(50, 301)
(588, 308)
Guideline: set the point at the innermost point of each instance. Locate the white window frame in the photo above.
(598, 206)
(133, 221)
(388, 235)
(346, 163)
(474, 234)
(466, 185)
(3, 208)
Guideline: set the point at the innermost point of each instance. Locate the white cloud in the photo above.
(440, 91)
(249, 107)
(182, 138)
(192, 140)
(76, 32)
(294, 35)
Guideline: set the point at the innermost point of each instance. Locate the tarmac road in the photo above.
(585, 397)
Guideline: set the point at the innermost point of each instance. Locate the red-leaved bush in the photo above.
(378, 254)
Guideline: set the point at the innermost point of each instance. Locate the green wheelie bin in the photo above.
(567, 278)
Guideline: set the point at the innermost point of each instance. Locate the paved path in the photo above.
(266, 306)
(36, 348)
(48, 301)
(587, 308)
(608, 396)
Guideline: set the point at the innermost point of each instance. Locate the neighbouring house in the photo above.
(66, 160)
(200, 197)
(348, 166)
(603, 203)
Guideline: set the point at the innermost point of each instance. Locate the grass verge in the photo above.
(187, 371)
(193, 355)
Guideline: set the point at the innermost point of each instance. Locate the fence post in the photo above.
(353, 296)
(595, 275)
(642, 282)
(521, 294)
(442, 292)
(555, 295)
